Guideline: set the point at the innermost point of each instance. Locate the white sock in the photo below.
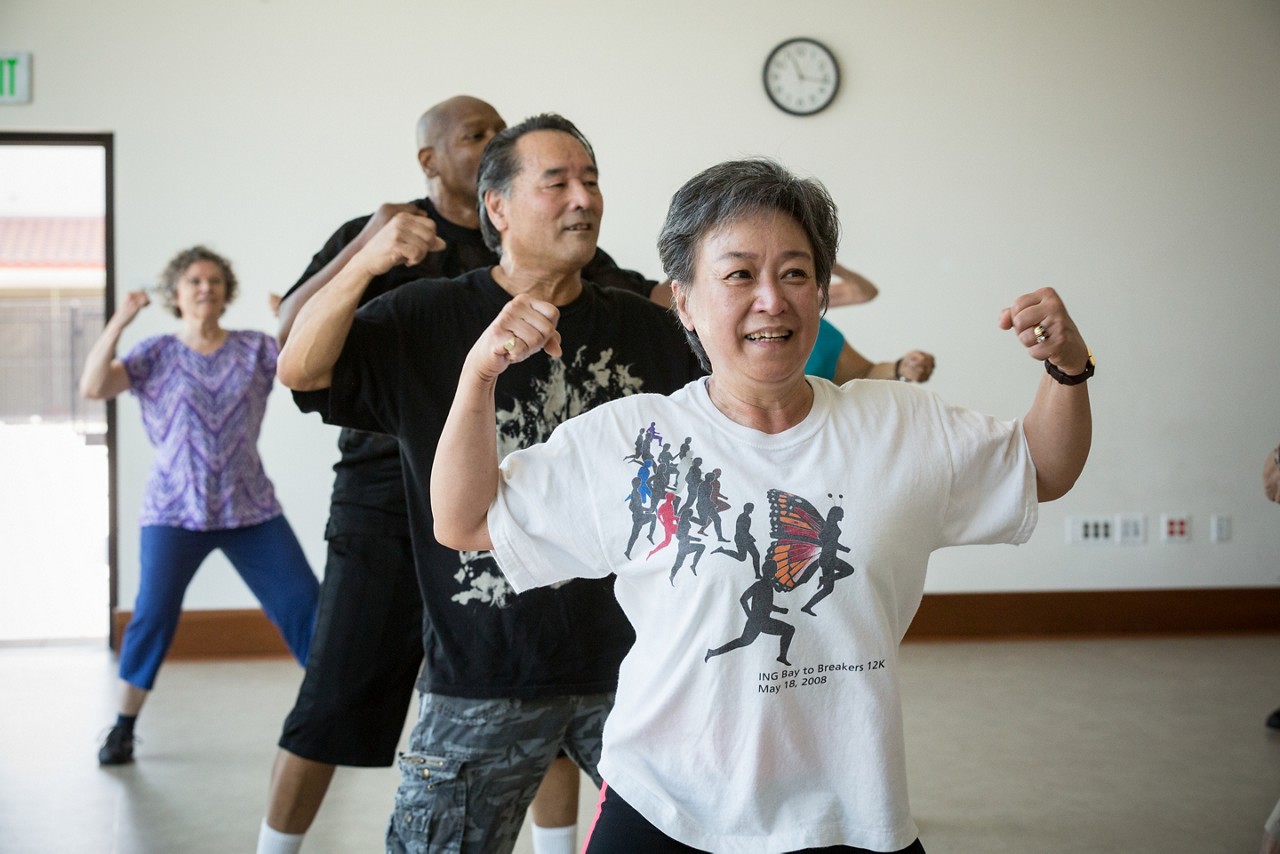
(554, 840)
(272, 841)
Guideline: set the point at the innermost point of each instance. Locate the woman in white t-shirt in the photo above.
(747, 719)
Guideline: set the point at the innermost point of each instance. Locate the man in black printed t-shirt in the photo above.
(508, 681)
(369, 636)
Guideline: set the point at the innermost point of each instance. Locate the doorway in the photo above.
(57, 579)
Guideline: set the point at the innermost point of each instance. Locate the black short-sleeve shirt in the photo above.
(368, 489)
(397, 375)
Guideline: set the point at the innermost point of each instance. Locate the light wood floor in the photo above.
(1055, 747)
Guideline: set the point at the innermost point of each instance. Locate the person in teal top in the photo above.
(834, 359)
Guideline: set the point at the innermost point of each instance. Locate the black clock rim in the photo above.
(764, 75)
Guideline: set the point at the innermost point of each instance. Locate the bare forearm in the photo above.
(1059, 430)
(880, 371)
(464, 477)
(292, 304)
(98, 381)
(320, 331)
(852, 365)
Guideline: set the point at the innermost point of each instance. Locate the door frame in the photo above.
(106, 141)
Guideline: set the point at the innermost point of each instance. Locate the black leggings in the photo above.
(619, 829)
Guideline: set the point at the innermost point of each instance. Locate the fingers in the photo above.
(1046, 330)
(134, 302)
(917, 366)
(405, 240)
(525, 326)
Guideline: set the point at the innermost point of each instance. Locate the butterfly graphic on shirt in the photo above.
(804, 542)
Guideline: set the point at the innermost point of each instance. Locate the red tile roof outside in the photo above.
(47, 241)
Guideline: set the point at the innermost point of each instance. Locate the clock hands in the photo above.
(796, 66)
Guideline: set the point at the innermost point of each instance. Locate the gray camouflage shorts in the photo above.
(473, 767)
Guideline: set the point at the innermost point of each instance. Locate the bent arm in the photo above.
(1059, 430)
(320, 328)
(464, 476)
(298, 297)
(849, 288)
(915, 366)
(1059, 424)
(104, 376)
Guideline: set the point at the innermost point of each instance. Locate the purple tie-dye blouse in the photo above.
(203, 414)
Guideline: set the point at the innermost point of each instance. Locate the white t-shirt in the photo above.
(713, 738)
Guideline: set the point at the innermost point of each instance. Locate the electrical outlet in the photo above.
(1091, 530)
(1219, 528)
(1131, 529)
(1175, 528)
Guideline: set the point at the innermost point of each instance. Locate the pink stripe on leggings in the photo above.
(604, 787)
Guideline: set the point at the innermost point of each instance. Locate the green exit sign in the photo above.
(15, 77)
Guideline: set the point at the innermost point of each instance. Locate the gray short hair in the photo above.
(499, 164)
(734, 190)
(168, 286)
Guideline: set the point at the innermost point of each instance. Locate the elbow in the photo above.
(288, 375)
(90, 391)
(293, 375)
(1051, 489)
(446, 536)
(460, 539)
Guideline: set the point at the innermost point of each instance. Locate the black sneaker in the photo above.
(118, 747)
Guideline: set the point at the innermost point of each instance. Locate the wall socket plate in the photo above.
(1175, 527)
(1131, 529)
(1091, 530)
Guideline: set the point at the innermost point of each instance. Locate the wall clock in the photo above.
(801, 76)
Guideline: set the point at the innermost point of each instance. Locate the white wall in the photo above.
(1124, 152)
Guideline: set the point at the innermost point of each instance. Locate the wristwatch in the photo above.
(1065, 379)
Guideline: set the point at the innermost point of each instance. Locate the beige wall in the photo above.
(1125, 152)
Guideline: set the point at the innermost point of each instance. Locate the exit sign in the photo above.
(15, 77)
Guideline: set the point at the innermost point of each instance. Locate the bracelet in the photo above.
(897, 371)
(1052, 370)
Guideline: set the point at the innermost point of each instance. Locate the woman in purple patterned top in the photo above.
(203, 393)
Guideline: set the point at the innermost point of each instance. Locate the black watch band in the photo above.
(1066, 379)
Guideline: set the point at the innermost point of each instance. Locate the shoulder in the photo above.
(252, 339)
(604, 271)
(152, 346)
(828, 333)
(432, 292)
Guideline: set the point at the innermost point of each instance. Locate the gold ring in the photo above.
(1040, 334)
(510, 345)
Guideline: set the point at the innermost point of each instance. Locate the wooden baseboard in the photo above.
(973, 616)
(216, 634)
(1101, 612)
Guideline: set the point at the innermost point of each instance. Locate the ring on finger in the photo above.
(1040, 333)
(510, 345)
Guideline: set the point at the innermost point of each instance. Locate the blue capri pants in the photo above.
(267, 556)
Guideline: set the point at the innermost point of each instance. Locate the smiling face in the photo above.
(550, 219)
(754, 302)
(201, 293)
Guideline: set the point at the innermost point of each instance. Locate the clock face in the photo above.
(801, 77)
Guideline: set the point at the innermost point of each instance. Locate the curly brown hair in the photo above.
(167, 289)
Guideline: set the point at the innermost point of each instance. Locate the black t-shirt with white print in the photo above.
(368, 489)
(397, 375)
